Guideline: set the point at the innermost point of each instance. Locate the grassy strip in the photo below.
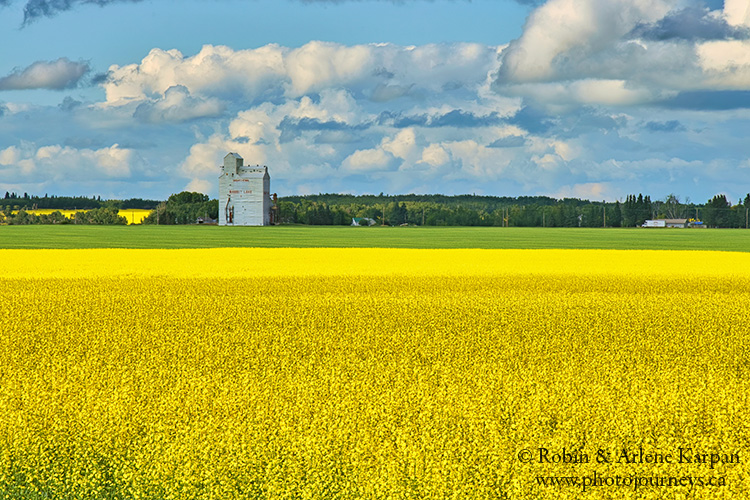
(374, 237)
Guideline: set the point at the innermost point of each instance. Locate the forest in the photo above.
(395, 210)
(526, 211)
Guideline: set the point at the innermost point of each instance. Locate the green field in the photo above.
(736, 240)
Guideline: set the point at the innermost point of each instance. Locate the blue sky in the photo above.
(586, 98)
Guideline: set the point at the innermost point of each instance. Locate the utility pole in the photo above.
(604, 215)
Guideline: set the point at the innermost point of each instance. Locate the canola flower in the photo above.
(371, 373)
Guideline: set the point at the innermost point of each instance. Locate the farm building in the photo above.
(666, 223)
(244, 194)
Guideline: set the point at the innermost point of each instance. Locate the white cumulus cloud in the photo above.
(55, 75)
(272, 70)
(626, 52)
(63, 164)
(737, 12)
(177, 105)
(367, 160)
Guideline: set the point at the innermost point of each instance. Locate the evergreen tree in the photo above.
(629, 211)
(716, 213)
(647, 208)
(616, 217)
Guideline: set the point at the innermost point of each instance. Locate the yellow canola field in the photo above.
(134, 215)
(296, 262)
(373, 373)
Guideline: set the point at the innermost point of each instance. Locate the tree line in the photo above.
(528, 211)
(422, 210)
(15, 209)
(98, 216)
(26, 202)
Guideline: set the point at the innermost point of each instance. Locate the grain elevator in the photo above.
(244, 194)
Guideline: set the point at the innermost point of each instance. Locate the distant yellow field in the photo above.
(134, 215)
(374, 373)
